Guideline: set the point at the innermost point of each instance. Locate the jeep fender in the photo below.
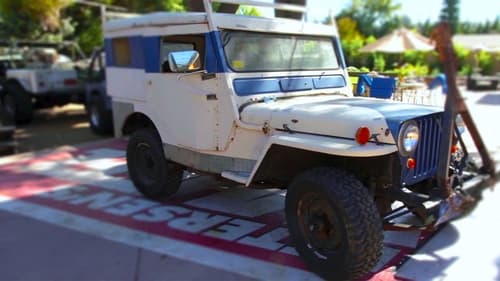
(323, 144)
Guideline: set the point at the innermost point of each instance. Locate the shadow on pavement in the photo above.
(428, 257)
(490, 99)
(498, 267)
(55, 127)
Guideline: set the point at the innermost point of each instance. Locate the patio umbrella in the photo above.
(399, 41)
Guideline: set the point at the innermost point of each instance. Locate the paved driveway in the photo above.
(72, 214)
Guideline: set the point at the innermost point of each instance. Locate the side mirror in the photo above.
(184, 61)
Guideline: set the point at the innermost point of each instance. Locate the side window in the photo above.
(182, 43)
(121, 52)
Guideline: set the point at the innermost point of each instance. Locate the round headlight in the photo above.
(408, 138)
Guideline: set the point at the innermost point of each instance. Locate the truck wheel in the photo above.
(100, 119)
(8, 109)
(17, 104)
(334, 223)
(152, 174)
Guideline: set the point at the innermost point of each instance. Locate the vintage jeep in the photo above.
(45, 77)
(266, 102)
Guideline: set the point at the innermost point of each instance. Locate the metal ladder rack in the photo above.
(277, 6)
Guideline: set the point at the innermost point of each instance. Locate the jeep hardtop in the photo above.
(266, 102)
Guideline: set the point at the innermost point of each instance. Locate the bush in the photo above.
(410, 70)
(485, 61)
(378, 62)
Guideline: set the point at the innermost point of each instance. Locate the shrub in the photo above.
(378, 62)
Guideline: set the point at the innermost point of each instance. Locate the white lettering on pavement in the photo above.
(267, 241)
(100, 200)
(234, 229)
(161, 213)
(131, 207)
(197, 222)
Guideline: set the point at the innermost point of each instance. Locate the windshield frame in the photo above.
(227, 35)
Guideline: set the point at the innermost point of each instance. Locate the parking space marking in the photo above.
(85, 190)
(240, 264)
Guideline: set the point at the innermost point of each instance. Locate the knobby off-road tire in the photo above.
(17, 104)
(334, 223)
(152, 174)
(100, 119)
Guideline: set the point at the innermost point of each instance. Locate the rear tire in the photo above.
(152, 174)
(17, 104)
(100, 119)
(334, 223)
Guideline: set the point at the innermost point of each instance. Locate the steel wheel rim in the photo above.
(319, 225)
(147, 164)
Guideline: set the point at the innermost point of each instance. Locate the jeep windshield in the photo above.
(264, 52)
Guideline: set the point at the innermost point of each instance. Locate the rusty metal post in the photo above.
(455, 202)
(454, 105)
(442, 37)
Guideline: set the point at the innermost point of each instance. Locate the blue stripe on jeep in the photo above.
(296, 84)
(334, 81)
(152, 53)
(108, 49)
(137, 52)
(247, 87)
(215, 61)
(256, 86)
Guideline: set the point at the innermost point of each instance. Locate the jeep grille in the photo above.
(427, 151)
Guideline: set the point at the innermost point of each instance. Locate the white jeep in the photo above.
(44, 77)
(266, 102)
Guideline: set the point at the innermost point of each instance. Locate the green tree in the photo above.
(372, 16)
(87, 19)
(426, 27)
(249, 11)
(26, 19)
(450, 13)
(146, 6)
(348, 29)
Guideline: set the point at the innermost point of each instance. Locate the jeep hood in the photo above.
(333, 115)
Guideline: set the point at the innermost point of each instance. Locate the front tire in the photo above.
(334, 223)
(152, 174)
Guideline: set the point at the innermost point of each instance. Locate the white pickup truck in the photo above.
(42, 78)
(267, 103)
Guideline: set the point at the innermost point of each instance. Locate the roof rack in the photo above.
(259, 3)
(255, 3)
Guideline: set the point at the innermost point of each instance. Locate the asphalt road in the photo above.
(68, 214)
(55, 127)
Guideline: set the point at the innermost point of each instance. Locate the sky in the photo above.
(421, 10)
